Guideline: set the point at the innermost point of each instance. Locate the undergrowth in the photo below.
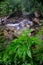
(23, 51)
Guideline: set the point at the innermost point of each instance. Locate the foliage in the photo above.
(2, 40)
(7, 6)
(2, 48)
(21, 51)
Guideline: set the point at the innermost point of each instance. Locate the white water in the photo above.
(21, 24)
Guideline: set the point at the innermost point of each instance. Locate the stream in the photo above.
(13, 25)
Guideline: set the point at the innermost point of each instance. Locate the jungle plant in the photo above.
(19, 51)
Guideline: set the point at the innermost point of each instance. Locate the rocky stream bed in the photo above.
(11, 28)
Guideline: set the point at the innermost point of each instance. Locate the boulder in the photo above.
(36, 21)
(37, 13)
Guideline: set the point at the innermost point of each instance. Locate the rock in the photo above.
(23, 23)
(36, 21)
(32, 33)
(6, 33)
(25, 14)
(29, 34)
(3, 20)
(17, 28)
(0, 21)
(37, 13)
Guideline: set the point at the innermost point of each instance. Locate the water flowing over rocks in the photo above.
(17, 28)
(13, 27)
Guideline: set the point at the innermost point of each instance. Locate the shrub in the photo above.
(19, 51)
(7, 6)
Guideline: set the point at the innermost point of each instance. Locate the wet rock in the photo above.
(14, 27)
(3, 20)
(14, 30)
(18, 26)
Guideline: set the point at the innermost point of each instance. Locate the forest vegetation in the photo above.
(21, 32)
